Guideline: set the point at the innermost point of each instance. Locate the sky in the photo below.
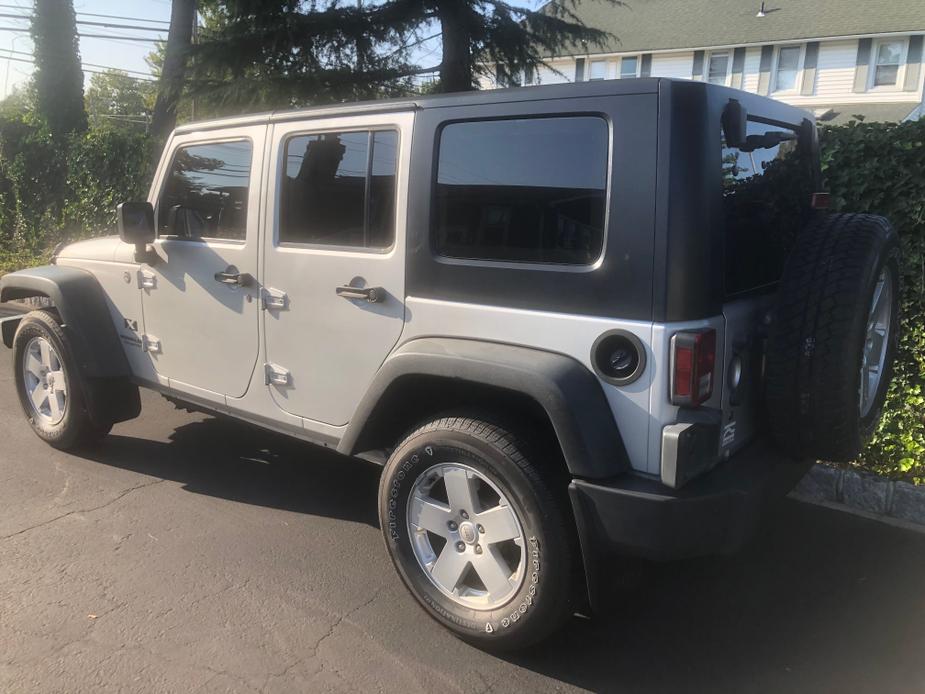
(106, 52)
(126, 55)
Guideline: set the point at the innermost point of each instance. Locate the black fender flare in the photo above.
(565, 389)
(84, 311)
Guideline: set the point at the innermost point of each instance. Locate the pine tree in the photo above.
(58, 75)
(495, 38)
(277, 53)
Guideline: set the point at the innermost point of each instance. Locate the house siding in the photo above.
(836, 69)
(836, 79)
(676, 65)
(548, 75)
(752, 67)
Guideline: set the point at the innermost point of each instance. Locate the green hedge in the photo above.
(880, 168)
(54, 190)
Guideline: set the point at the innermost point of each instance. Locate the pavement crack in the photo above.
(346, 616)
(118, 497)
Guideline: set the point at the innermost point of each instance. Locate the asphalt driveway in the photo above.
(188, 553)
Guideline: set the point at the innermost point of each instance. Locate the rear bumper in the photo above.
(717, 513)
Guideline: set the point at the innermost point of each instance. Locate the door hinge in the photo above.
(277, 375)
(151, 344)
(274, 299)
(147, 280)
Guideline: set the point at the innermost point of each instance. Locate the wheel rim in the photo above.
(466, 536)
(44, 381)
(876, 341)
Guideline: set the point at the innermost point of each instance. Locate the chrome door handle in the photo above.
(233, 277)
(371, 294)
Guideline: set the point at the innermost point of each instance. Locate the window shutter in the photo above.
(809, 68)
(579, 69)
(645, 70)
(738, 67)
(862, 68)
(913, 64)
(697, 72)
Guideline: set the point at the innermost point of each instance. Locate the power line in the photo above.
(91, 14)
(95, 72)
(133, 19)
(107, 25)
(24, 30)
(110, 37)
(105, 67)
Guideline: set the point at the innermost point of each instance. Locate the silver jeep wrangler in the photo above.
(567, 321)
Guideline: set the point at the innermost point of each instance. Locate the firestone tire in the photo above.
(538, 596)
(834, 336)
(64, 423)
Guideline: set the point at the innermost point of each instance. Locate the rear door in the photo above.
(766, 194)
(334, 275)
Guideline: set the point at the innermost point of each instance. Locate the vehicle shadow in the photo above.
(230, 460)
(819, 601)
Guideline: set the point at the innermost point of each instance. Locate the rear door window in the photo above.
(339, 189)
(528, 190)
(766, 201)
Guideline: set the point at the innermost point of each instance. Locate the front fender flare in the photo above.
(84, 311)
(564, 388)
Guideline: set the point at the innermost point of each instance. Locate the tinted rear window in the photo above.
(522, 190)
(766, 201)
(339, 189)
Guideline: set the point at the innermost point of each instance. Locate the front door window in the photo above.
(205, 194)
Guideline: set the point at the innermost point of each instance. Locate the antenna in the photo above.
(761, 12)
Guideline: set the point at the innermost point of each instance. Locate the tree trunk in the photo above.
(456, 66)
(170, 87)
(58, 74)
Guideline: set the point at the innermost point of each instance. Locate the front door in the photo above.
(201, 300)
(335, 260)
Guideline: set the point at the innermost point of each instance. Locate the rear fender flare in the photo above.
(566, 390)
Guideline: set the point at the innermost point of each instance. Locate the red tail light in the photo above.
(693, 356)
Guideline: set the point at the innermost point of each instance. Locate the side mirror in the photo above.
(735, 123)
(135, 221)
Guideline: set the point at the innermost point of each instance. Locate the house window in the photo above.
(886, 66)
(788, 68)
(629, 67)
(718, 70)
(598, 70)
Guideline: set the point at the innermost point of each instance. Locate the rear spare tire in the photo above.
(833, 337)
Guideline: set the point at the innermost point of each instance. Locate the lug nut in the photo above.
(478, 549)
(481, 529)
(451, 525)
(464, 515)
(460, 546)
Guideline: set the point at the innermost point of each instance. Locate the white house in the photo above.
(837, 58)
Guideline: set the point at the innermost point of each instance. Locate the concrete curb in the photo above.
(867, 493)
